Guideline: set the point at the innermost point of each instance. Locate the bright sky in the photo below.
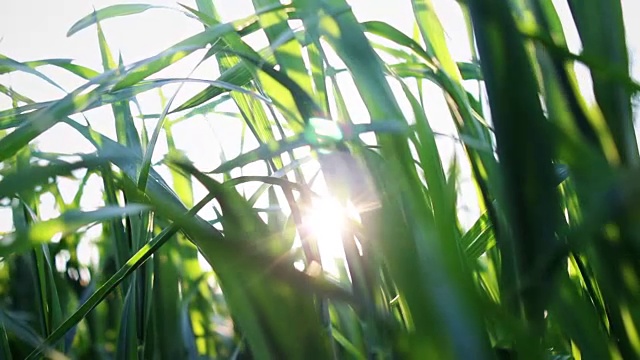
(36, 29)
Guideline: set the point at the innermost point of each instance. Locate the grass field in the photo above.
(322, 233)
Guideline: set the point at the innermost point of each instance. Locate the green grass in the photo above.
(549, 270)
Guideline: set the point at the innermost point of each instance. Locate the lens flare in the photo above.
(327, 219)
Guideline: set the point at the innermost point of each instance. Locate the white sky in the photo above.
(36, 29)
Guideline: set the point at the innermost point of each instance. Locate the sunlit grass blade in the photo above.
(309, 138)
(236, 72)
(42, 232)
(609, 46)
(145, 68)
(109, 12)
(479, 238)
(8, 65)
(15, 96)
(433, 36)
(389, 32)
(45, 117)
(125, 128)
(66, 64)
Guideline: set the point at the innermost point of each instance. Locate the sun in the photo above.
(327, 219)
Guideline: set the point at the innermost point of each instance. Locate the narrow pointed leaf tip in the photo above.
(109, 12)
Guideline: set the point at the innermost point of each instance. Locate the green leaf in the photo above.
(26, 180)
(525, 149)
(8, 65)
(43, 231)
(66, 64)
(479, 238)
(610, 47)
(109, 12)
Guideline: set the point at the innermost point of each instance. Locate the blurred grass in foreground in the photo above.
(549, 270)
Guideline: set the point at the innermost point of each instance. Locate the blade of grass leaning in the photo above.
(239, 74)
(7, 65)
(15, 96)
(270, 150)
(25, 114)
(433, 36)
(66, 64)
(42, 232)
(171, 55)
(251, 111)
(286, 48)
(27, 179)
(110, 12)
(479, 238)
(44, 118)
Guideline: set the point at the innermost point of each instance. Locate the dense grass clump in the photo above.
(395, 266)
